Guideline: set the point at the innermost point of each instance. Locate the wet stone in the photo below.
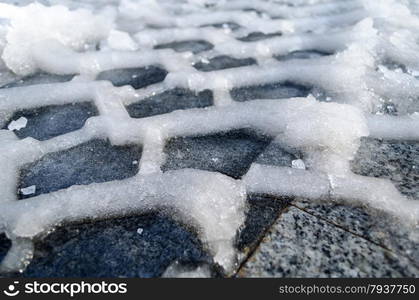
(281, 90)
(182, 46)
(230, 153)
(116, 248)
(258, 36)
(94, 161)
(50, 121)
(223, 62)
(135, 77)
(168, 101)
(302, 245)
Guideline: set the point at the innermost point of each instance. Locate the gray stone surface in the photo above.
(168, 101)
(182, 46)
(307, 54)
(50, 121)
(278, 90)
(378, 228)
(39, 78)
(258, 36)
(397, 161)
(136, 77)
(117, 248)
(94, 161)
(230, 153)
(223, 62)
(302, 245)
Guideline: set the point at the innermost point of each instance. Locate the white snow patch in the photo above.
(28, 190)
(298, 164)
(18, 124)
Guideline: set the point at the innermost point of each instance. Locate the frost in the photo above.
(354, 43)
(18, 124)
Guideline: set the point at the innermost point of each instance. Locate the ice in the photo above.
(298, 164)
(28, 190)
(18, 124)
(137, 64)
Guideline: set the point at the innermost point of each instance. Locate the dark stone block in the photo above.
(306, 54)
(136, 77)
(230, 153)
(223, 62)
(258, 36)
(5, 245)
(270, 91)
(394, 160)
(169, 101)
(50, 121)
(39, 78)
(114, 248)
(182, 46)
(94, 161)
(263, 212)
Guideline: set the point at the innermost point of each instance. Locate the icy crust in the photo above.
(370, 60)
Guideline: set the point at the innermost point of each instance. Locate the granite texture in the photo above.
(302, 245)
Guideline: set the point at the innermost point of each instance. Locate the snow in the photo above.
(18, 124)
(87, 38)
(28, 190)
(298, 164)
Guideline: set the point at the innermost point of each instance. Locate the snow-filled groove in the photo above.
(370, 60)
